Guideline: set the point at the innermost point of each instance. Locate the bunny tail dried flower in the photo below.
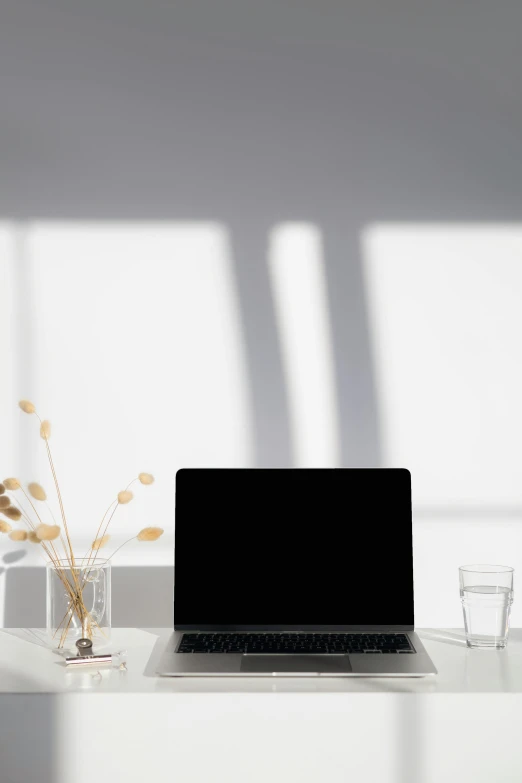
(32, 537)
(4, 501)
(146, 478)
(150, 534)
(18, 535)
(12, 483)
(12, 512)
(125, 496)
(27, 406)
(47, 532)
(100, 542)
(45, 429)
(37, 491)
(2, 489)
(5, 527)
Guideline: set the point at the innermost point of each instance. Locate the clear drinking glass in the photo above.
(486, 592)
(78, 601)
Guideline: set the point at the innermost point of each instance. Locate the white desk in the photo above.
(63, 726)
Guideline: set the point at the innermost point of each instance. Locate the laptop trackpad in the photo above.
(296, 664)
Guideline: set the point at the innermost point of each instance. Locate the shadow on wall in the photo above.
(252, 131)
(325, 118)
(142, 597)
(251, 126)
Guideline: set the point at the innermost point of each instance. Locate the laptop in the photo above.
(294, 573)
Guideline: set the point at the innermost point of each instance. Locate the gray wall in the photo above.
(141, 598)
(337, 113)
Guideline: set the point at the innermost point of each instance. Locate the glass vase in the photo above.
(78, 601)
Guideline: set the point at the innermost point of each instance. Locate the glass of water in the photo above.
(486, 592)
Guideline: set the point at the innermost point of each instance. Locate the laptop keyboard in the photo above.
(296, 643)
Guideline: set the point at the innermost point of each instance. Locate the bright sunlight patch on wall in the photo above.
(445, 306)
(135, 343)
(301, 306)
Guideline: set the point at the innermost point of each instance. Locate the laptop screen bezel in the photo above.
(341, 628)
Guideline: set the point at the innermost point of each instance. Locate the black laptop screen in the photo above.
(295, 548)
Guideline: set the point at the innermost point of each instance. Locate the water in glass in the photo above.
(486, 614)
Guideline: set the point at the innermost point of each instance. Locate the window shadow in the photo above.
(271, 436)
(28, 737)
(358, 416)
(142, 597)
